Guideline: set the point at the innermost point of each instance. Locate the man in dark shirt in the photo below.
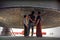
(31, 23)
(32, 18)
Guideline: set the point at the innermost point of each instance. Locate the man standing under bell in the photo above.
(31, 23)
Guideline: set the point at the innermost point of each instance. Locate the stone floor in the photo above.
(27, 38)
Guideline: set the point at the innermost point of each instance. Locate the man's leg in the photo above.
(28, 29)
(24, 30)
(32, 29)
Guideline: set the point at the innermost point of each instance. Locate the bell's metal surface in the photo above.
(11, 12)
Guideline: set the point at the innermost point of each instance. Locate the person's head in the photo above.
(39, 13)
(25, 16)
(32, 13)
